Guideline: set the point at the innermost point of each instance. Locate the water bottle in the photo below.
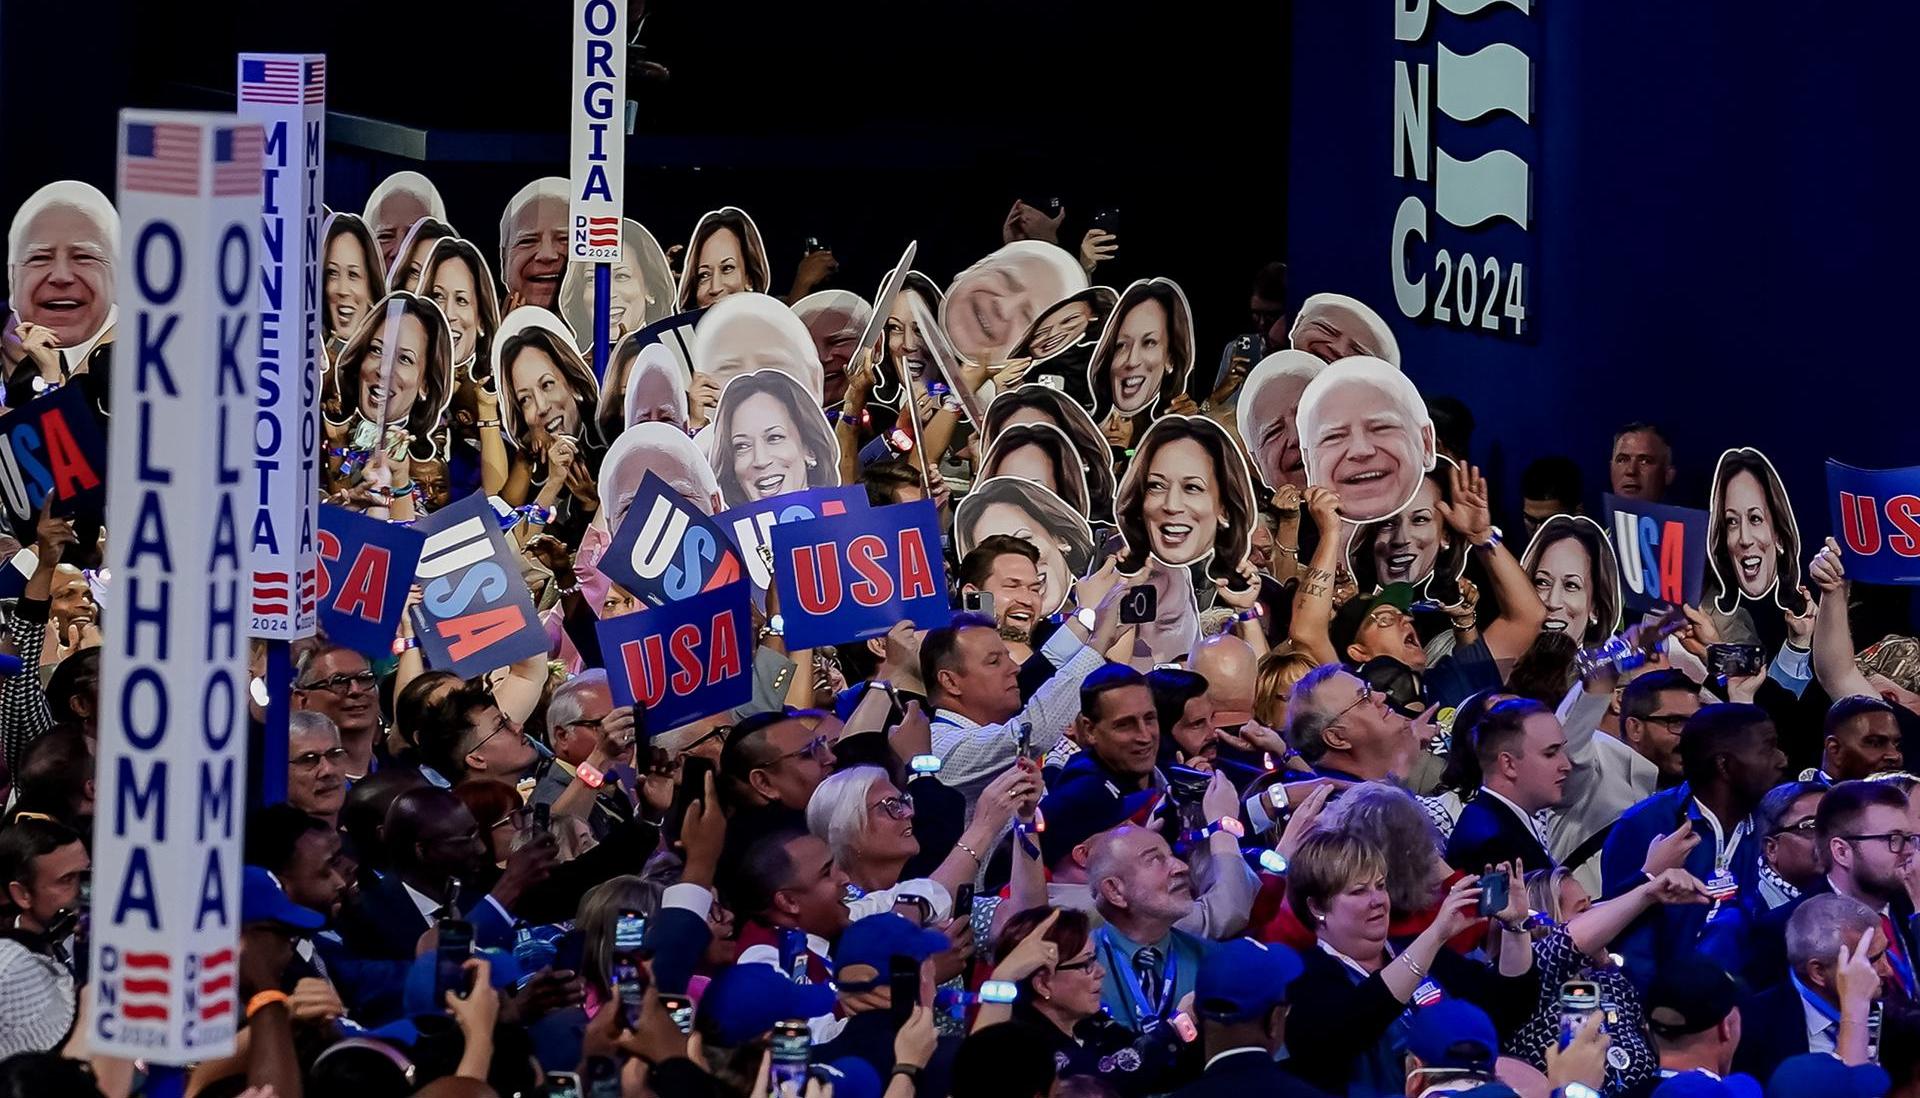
(1615, 653)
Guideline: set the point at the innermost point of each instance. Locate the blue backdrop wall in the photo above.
(1718, 234)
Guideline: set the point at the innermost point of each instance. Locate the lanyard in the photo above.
(1724, 845)
(1820, 1006)
(1124, 975)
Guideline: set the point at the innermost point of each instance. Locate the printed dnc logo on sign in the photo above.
(1469, 166)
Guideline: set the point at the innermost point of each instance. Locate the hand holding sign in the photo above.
(1877, 511)
(53, 445)
(476, 612)
(685, 660)
(856, 576)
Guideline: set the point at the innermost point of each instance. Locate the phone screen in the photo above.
(1494, 893)
(1140, 605)
(450, 959)
(903, 985)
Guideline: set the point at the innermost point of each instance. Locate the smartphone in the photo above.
(563, 1084)
(977, 602)
(1734, 661)
(693, 786)
(1578, 999)
(791, 1049)
(1139, 605)
(1023, 742)
(680, 1009)
(811, 245)
(630, 983)
(629, 932)
(793, 954)
(542, 817)
(922, 765)
(450, 959)
(1495, 891)
(963, 901)
(903, 986)
(1107, 220)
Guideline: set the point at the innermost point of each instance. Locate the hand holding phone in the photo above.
(450, 959)
(1496, 891)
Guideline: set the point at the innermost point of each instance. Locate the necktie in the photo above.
(1146, 966)
(1897, 953)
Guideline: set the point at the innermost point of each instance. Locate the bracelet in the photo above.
(1251, 613)
(1792, 647)
(1287, 550)
(911, 1071)
(1419, 972)
(407, 487)
(405, 644)
(485, 423)
(1521, 928)
(1226, 824)
(265, 999)
(969, 852)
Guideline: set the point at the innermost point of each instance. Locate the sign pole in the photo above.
(597, 166)
(602, 324)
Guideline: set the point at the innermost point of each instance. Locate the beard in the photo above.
(1015, 634)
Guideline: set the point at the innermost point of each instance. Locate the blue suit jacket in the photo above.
(1488, 833)
(1668, 931)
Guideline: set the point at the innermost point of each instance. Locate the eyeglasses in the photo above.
(341, 684)
(311, 759)
(503, 726)
(1366, 695)
(813, 748)
(519, 818)
(1386, 617)
(593, 724)
(1668, 719)
(899, 806)
(1081, 965)
(1896, 841)
(1799, 827)
(713, 735)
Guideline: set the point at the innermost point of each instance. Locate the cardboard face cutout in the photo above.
(747, 332)
(991, 304)
(1753, 542)
(886, 385)
(1414, 547)
(533, 242)
(400, 200)
(1186, 498)
(642, 290)
(61, 251)
(906, 352)
(1572, 568)
(770, 438)
(1365, 433)
(1333, 326)
(396, 373)
(947, 366)
(1144, 353)
(665, 451)
(1010, 505)
(1266, 416)
(1042, 453)
(725, 257)
(1042, 404)
(656, 387)
(1175, 627)
(352, 277)
(547, 390)
(1061, 341)
(411, 256)
(455, 277)
(836, 319)
(674, 336)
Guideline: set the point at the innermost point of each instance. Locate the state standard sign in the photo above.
(286, 94)
(599, 162)
(172, 758)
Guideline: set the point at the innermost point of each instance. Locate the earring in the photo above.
(811, 463)
(1223, 524)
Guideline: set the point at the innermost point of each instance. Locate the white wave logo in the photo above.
(1470, 193)
(1474, 7)
(1471, 86)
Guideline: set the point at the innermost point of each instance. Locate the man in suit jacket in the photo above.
(1825, 1003)
(1731, 756)
(1240, 997)
(1523, 770)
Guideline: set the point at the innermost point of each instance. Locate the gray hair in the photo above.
(1822, 925)
(1390, 819)
(837, 811)
(72, 194)
(306, 722)
(566, 704)
(1307, 721)
(547, 186)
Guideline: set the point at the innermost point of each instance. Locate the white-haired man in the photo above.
(533, 242)
(1366, 434)
(61, 250)
(400, 200)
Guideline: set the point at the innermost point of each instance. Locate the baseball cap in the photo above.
(746, 1000)
(1698, 1084)
(1826, 1075)
(1346, 621)
(875, 940)
(1241, 980)
(1454, 1035)
(1393, 681)
(1689, 994)
(262, 900)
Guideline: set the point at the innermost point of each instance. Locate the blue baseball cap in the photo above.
(262, 900)
(1241, 980)
(1825, 1075)
(1455, 1035)
(1698, 1084)
(744, 1001)
(875, 940)
(851, 1076)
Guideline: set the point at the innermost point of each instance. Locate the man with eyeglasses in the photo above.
(466, 737)
(586, 747)
(1613, 773)
(316, 766)
(1839, 962)
(1863, 830)
(339, 684)
(1345, 729)
(1789, 855)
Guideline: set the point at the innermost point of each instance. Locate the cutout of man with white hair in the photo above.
(749, 332)
(1334, 326)
(533, 242)
(1365, 433)
(1267, 416)
(393, 208)
(61, 250)
(991, 304)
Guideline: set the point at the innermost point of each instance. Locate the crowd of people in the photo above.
(1255, 759)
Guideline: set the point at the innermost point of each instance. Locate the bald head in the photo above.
(1231, 670)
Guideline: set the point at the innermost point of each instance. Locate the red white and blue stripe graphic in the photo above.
(211, 991)
(164, 158)
(146, 990)
(603, 232)
(283, 80)
(272, 593)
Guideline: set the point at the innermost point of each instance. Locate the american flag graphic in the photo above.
(236, 160)
(210, 984)
(316, 82)
(147, 987)
(271, 594)
(164, 158)
(603, 232)
(263, 81)
(1427, 994)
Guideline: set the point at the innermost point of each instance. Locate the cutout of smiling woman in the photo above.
(1572, 567)
(1025, 510)
(642, 290)
(725, 257)
(352, 278)
(770, 438)
(396, 370)
(1414, 547)
(1145, 351)
(1186, 499)
(1365, 433)
(1753, 542)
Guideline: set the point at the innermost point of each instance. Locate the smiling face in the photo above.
(1060, 329)
(720, 269)
(1277, 448)
(1056, 579)
(390, 221)
(627, 301)
(547, 404)
(885, 838)
(993, 303)
(408, 276)
(64, 279)
(655, 399)
(906, 344)
(1141, 356)
(748, 343)
(1365, 446)
(1753, 544)
(1406, 546)
(453, 290)
(1181, 502)
(1563, 578)
(1358, 913)
(393, 398)
(836, 336)
(349, 293)
(537, 252)
(768, 456)
(1333, 333)
(1014, 583)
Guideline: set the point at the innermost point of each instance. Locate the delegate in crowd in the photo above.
(1255, 759)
